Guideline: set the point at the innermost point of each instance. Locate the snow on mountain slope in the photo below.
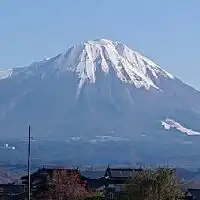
(118, 89)
(5, 74)
(129, 66)
(170, 123)
(85, 59)
(121, 95)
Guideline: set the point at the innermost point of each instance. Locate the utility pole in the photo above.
(29, 162)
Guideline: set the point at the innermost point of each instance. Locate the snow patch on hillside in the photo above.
(5, 74)
(170, 123)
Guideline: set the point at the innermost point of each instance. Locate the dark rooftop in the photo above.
(93, 174)
(48, 171)
(121, 172)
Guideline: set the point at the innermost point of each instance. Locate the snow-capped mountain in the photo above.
(96, 88)
(107, 56)
(87, 58)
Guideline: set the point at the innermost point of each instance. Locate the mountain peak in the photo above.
(129, 66)
(100, 41)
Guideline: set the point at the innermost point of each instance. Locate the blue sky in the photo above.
(167, 31)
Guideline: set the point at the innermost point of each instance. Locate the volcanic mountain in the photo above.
(98, 89)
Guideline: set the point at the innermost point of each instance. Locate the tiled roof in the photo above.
(120, 172)
(93, 174)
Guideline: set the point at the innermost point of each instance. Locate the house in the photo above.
(116, 179)
(195, 193)
(120, 175)
(11, 191)
(95, 180)
(39, 179)
(191, 189)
